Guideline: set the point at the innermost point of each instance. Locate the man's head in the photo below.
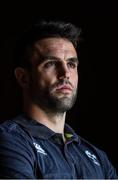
(47, 65)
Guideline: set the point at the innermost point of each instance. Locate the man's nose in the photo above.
(63, 72)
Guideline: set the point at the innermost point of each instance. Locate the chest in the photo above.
(56, 160)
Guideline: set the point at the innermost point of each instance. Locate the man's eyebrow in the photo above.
(44, 58)
(72, 59)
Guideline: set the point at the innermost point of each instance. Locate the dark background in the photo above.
(94, 115)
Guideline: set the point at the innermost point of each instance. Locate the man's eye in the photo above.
(72, 65)
(49, 64)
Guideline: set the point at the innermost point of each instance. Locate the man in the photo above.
(38, 144)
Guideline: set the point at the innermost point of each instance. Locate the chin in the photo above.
(64, 104)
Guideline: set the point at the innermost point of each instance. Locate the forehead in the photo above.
(55, 46)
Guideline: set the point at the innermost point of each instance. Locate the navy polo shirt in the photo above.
(31, 150)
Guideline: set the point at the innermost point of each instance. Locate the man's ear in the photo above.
(22, 77)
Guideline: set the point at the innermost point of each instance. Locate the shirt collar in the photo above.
(39, 130)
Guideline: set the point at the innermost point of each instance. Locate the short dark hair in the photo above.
(41, 30)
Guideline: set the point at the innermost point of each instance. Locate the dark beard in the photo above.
(52, 103)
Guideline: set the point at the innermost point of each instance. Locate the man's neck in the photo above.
(54, 121)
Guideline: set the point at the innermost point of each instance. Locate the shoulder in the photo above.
(99, 157)
(10, 128)
(89, 146)
(91, 149)
(14, 138)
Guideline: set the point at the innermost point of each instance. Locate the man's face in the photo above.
(54, 77)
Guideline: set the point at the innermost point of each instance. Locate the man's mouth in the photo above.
(64, 88)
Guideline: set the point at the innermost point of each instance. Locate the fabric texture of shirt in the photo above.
(30, 150)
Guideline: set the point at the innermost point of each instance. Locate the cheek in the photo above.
(46, 79)
(74, 78)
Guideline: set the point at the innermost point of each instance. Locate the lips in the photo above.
(64, 88)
